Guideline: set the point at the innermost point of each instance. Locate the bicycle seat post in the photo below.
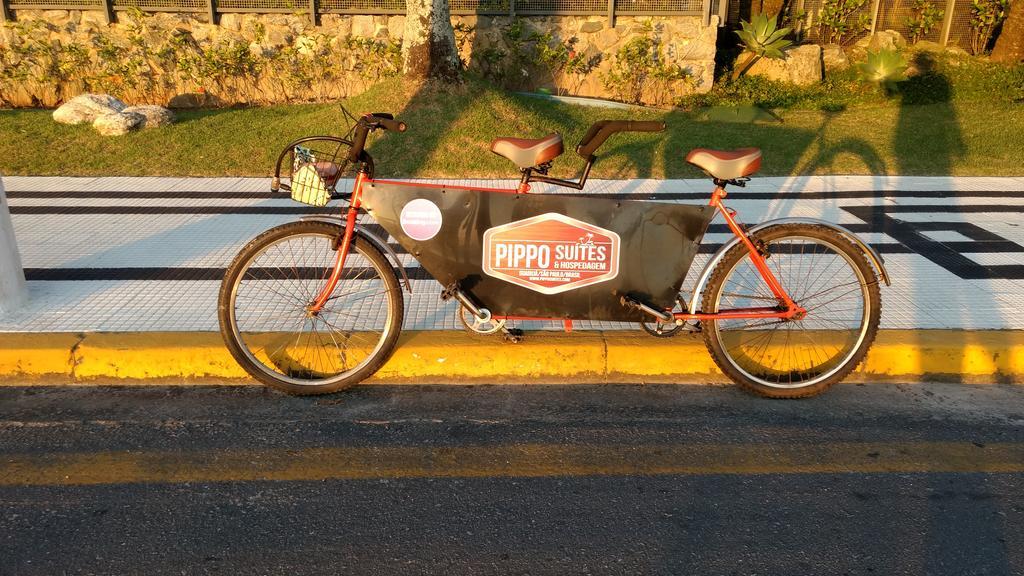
(524, 181)
(718, 193)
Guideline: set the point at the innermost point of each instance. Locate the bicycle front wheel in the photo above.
(266, 324)
(823, 272)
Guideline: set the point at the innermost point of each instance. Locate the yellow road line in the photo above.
(505, 461)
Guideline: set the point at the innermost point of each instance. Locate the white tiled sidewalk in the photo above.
(53, 233)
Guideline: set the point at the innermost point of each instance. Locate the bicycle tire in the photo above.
(756, 375)
(282, 369)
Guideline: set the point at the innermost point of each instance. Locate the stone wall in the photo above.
(682, 41)
(181, 59)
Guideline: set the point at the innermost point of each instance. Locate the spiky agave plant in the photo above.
(763, 39)
(885, 67)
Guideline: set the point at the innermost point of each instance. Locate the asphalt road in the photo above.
(681, 480)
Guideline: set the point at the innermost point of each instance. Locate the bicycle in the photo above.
(786, 308)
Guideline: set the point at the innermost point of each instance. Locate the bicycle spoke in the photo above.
(273, 293)
(748, 297)
(787, 353)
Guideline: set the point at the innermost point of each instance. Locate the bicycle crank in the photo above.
(482, 324)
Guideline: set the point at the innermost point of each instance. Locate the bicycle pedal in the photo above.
(512, 335)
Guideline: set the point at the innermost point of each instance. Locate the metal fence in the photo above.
(213, 8)
(954, 28)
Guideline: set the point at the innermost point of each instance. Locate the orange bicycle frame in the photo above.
(789, 308)
(786, 309)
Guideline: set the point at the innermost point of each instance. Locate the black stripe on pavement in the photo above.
(193, 273)
(949, 255)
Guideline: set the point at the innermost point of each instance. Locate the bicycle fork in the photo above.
(342, 247)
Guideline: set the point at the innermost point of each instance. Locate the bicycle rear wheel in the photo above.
(266, 325)
(827, 275)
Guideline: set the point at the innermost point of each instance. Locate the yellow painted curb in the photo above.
(448, 356)
(971, 355)
(149, 355)
(679, 358)
(37, 355)
(458, 355)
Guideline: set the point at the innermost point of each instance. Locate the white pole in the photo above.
(947, 22)
(874, 15)
(13, 290)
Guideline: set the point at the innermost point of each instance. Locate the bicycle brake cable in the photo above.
(351, 120)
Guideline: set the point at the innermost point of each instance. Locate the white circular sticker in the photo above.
(421, 219)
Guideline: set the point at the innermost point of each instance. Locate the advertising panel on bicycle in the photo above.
(551, 253)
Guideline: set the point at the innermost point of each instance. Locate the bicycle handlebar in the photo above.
(372, 122)
(389, 124)
(602, 129)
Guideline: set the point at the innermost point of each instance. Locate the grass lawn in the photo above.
(450, 131)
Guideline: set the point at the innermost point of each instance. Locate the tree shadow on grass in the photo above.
(728, 135)
(821, 153)
(430, 124)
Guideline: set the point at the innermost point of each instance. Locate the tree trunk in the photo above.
(428, 45)
(773, 7)
(741, 69)
(1010, 44)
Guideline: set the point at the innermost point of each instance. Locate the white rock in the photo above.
(152, 116)
(802, 66)
(887, 40)
(117, 123)
(834, 58)
(884, 40)
(86, 108)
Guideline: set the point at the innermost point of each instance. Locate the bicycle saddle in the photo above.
(527, 153)
(726, 164)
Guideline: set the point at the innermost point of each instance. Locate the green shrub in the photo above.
(531, 54)
(836, 93)
(923, 18)
(884, 68)
(133, 66)
(986, 15)
(491, 65)
(840, 21)
(462, 32)
(519, 61)
(940, 78)
(639, 73)
(566, 67)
